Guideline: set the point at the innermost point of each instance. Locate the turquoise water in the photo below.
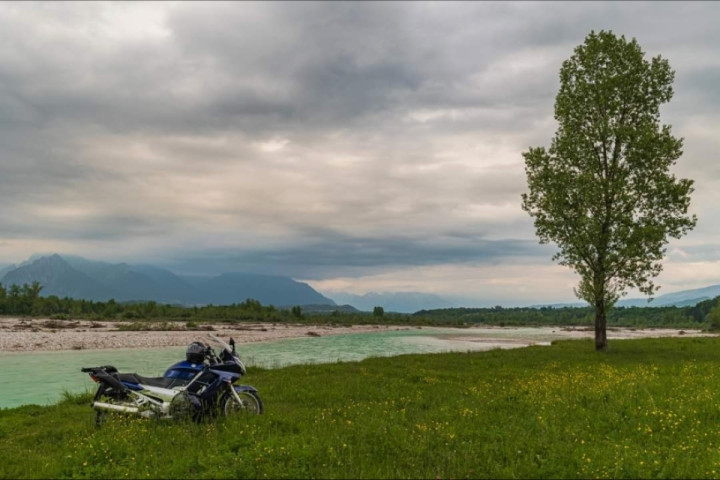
(41, 378)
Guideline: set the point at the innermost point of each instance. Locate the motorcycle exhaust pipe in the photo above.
(114, 408)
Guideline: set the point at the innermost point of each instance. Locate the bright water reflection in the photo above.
(42, 377)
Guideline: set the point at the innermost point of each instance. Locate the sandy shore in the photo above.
(22, 335)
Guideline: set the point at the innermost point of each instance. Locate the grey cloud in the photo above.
(694, 253)
(349, 62)
(35, 164)
(700, 84)
(259, 66)
(96, 228)
(263, 66)
(333, 254)
(382, 106)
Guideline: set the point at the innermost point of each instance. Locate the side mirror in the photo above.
(232, 344)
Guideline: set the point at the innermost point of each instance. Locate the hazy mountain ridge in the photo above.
(77, 277)
(683, 298)
(262, 288)
(7, 268)
(695, 295)
(81, 278)
(401, 302)
(57, 278)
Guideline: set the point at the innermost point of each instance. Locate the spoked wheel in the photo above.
(181, 408)
(101, 396)
(250, 404)
(106, 395)
(100, 418)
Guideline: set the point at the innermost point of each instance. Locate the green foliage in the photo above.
(154, 326)
(252, 305)
(168, 317)
(296, 311)
(539, 412)
(713, 317)
(378, 312)
(603, 191)
(640, 317)
(131, 314)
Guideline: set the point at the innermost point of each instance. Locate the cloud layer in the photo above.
(327, 141)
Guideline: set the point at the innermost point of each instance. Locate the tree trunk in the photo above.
(600, 327)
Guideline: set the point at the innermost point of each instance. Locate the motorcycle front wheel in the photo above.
(181, 408)
(251, 404)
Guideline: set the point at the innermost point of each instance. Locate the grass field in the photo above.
(647, 408)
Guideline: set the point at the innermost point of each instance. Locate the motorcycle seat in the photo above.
(161, 382)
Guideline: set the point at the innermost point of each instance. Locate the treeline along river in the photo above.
(26, 301)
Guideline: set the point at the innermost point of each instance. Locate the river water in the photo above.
(41, 378)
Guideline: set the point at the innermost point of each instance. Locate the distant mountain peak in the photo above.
(77, 277)
(56, 276)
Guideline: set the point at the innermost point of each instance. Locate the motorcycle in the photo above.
(201, 386)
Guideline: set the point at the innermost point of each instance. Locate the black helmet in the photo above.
(195, 352)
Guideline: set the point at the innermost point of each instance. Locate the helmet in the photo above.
(195, 352)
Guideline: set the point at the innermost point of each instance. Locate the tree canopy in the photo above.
(603, 191)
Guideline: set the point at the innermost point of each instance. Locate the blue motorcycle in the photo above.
(202, 386)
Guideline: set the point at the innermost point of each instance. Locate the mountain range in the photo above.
(77, 277)
(400, 302)
(683, 298)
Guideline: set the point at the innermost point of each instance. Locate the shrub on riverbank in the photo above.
(648, 408)
(164, 326)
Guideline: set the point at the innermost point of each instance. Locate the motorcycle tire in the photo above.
(181, 409)
(106, 394)
(251, 404)
(100, 418)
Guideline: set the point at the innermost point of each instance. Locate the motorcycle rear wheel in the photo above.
(101, 395)
(251, 404)
(100, 418)
(108, 395)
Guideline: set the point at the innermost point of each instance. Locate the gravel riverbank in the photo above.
(24, 335)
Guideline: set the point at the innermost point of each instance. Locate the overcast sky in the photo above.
(356, 146)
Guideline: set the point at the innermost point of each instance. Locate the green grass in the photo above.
(645, 409)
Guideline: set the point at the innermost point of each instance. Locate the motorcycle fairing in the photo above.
(185, 365)
(132, 386)
(245, 388)
(136, 379)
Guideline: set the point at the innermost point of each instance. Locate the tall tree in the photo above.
(603, 191)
